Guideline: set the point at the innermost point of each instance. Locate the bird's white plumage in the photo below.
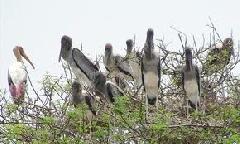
(151, 83)
(18, 73)
(191, 88)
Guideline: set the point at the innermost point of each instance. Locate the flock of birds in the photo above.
(144, 68)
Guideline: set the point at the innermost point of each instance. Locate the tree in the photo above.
(47, 115)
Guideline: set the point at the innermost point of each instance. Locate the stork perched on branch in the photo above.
(17, 75)
(81, 66)
(219, 56)
(117, 66)
(150, 68)
(134, 59)
(191, 81)
(78, 98)
(108, 89)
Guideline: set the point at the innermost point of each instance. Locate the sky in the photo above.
(38, 26)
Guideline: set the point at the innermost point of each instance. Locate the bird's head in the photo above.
(149, 45)
(108, 49)
(129, 43)
(19, 53)
(66, 47)
(150, 34)
(99, 82)
(76, 88)
(228, 43)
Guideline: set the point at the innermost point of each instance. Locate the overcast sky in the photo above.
(37, 26)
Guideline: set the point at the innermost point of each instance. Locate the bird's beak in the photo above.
(60, 55)
(22, 53)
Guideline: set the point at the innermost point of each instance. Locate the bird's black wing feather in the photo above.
(86, 66)
(159, 71)
(10, 82)
(142, 71)
(182, 78)
(89, 102)
(198, 79)
(113, 91)
(123, 66)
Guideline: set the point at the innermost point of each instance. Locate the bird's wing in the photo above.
(142, 69)
(86, 66)
(10, 82)
(90, 102)
(182, 78)
(112, 91)
(123, 66)
(198, 79)
(159, 71)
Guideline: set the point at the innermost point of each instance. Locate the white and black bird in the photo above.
(191, 81)
(219, 56)
(134, 60)
(17, 75)
(107, 89)
(117, 66)
(150, 68)
(81, 66)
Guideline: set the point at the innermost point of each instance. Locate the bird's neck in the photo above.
(19, 59)
(149, 52)
(189, 65)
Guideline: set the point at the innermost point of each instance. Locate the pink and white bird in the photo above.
(17, 75)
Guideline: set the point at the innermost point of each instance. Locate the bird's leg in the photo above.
(156, 104)
(146, 108)
(197, 107)
(90, 131)
(204, 105)
(187, 110)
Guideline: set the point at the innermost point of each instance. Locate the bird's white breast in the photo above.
(151, 83)
(17, 72)
(191, 88)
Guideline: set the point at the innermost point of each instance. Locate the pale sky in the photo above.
(37, 26)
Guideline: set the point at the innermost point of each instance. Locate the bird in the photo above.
(79, 98)
(109, 90)
(134, 59)
(219, 56)
(191, 81)
(17, 75)
(150, 69)
(117, 66)
(81, 66)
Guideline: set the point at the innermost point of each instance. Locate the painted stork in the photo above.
(150, 68)
(191, 81)
(134, 59)
(219, 56)
(17, 76)
(108, 89)
(78, 98)
(116, 65)
(81, 66)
